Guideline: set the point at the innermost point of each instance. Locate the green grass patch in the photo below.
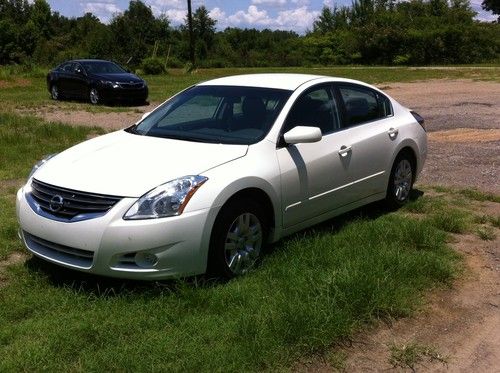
(451, 220)
(24, 140)
(313, 290)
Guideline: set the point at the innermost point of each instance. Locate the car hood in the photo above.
(123, 77)
(128, 165)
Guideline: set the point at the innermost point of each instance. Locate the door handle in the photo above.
(393, 133)
(344, 150)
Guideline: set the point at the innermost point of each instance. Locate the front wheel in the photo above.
(54, 92)
(237, 239)
(94, 96)
(400, 182)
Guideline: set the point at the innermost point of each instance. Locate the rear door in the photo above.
(370, 132)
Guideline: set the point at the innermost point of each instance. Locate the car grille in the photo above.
(59, 253)
(135, 85)
(67, 204)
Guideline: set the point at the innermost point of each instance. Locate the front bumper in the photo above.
(111, 246)
(124, 94)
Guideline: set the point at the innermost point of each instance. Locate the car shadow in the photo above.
(110, 287)
(110, 104)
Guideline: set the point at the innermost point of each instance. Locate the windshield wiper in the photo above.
(186, 138)
(132, 129)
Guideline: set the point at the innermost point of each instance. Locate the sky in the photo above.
(294, 15)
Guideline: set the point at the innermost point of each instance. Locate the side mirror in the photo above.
(79, 71)
(145, 115)
(302, 134)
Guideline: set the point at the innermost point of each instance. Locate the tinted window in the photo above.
(223, 114)
(102, 67)
(315, 108)
(67, 67)
(361, 105)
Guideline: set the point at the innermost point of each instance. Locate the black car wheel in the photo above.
(54, 92)
(239, 233)
(94, 96)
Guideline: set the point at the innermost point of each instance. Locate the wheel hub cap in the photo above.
(243, 243)
(402, 180)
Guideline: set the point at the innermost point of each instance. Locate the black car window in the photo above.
(315, 108)
(67, 67)
(363, 104)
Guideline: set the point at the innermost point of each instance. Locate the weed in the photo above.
(409, 355)
(486, 233)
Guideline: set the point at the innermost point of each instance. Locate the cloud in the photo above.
(297, 19)
(269, 2)
(482, 15)
(103, 9)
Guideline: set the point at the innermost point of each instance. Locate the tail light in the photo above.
(418, 118)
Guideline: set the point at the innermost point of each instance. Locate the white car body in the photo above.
(304, 183)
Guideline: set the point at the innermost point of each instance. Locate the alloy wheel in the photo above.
(243, 243)
(54, 92)
(402, 180)
(94, 96)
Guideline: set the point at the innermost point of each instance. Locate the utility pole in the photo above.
(191, 36)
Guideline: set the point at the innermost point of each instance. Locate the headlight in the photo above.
(39, 164)
(109, 83)
(168, 199)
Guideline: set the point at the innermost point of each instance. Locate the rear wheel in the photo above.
(400, 181)
(94, 96)
(54, 92)
(237, 239)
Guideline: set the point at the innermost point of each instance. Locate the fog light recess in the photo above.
(146, 260)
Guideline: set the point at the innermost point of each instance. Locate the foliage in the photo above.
(153, 66)
(414, 32)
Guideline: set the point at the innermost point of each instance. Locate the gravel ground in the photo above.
(457, 156)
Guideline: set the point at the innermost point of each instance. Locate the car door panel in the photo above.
(372, 145)
(315, 178)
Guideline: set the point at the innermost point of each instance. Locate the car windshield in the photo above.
(219, 114)
(102, 67)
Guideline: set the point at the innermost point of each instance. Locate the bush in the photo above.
(153, 66)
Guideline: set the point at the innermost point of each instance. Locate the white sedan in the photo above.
(211, 176)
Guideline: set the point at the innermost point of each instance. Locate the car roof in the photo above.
(288, 81)
(90, 60)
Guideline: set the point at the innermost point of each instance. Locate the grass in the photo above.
(310, 292)
(486, 233)
(408, 356)
(19, 96)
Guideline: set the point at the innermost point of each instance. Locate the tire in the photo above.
(239, 233)
(400, 181)
(94, 96)
(54, 92)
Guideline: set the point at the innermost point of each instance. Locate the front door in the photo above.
(314, 176)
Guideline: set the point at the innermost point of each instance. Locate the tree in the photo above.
(204, 31)
(493, 6)
(41, 15)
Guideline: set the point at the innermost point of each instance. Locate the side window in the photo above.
(385, 107)
(315, 108)
(361, 105)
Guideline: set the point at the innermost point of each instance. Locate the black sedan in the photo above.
(97, 81)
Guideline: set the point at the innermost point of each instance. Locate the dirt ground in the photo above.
(462, 323)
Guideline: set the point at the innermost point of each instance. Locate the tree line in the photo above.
(389, 32)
